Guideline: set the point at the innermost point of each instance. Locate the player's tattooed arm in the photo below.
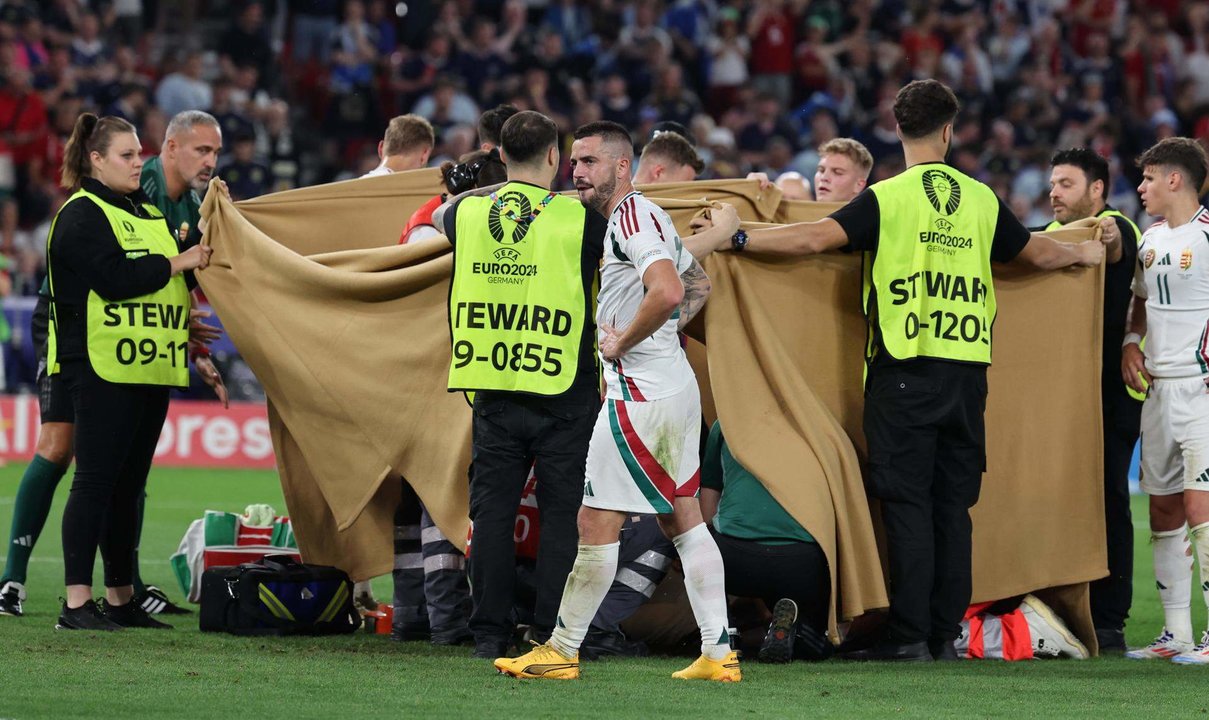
(696, 292)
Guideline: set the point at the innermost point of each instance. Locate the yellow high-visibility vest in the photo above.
(516, 303)
(932, 267)
(143, 340)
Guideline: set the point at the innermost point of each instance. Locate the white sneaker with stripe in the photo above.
(1164, 647)
(1198, 655)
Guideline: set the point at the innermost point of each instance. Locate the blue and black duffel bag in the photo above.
(277, 596)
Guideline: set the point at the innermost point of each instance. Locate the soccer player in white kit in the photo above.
(1171, 309)
(643, 457)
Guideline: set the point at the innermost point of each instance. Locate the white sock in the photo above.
(705, 581)
(589, 582)
(1200, 541)
(1173, 573)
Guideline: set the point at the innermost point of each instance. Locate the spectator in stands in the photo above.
(185, 89)
(245, 175)
(447, 105)
(247, 42)
(728, 50)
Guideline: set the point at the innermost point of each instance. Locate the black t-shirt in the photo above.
(587, 378)
(1118, 293)
(861, 220)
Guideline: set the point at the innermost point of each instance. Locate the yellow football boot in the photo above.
(543, 662)
(724, 670)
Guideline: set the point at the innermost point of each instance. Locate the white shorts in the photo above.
(643, 455)
(1175, 437)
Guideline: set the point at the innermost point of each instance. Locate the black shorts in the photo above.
(54, 401)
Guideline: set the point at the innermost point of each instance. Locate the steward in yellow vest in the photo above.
(517, 301)
(1079, 180)
(522, 332)
(136, 340)
(119, 328)
(929, 236)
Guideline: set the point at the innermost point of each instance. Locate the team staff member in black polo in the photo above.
(119, 333)
(930, 235)
(521, 320)
(1078, 192)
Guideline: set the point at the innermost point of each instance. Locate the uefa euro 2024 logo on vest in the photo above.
(942, 190)
(513, 206)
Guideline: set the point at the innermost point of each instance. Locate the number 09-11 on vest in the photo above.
(143, 340)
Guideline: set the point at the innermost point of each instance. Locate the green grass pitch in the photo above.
(185, 674)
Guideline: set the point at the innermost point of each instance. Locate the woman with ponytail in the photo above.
(119, 328)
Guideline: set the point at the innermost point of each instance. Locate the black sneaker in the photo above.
(458, 635)
(778, 642)
(1110, 640)
(11, 596)
(155, 602)
(602, 643)
(131, 615)
(86, 617)
(490, 649)
(811, 644)
(410, 633)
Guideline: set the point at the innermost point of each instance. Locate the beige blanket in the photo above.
(352, 349)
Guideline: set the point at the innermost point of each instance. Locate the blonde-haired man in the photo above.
(407, 144)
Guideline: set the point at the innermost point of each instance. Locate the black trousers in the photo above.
(1112, 596)
(797, 571)
(511, 433)
(117, 428)
(927, 452)
(643, 560)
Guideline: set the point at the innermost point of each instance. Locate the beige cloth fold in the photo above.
(352, 348)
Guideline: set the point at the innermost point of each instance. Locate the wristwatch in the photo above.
(738, 241)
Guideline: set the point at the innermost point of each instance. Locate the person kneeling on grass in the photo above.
(767, 554)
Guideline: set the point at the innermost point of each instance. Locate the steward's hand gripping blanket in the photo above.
(277, 596)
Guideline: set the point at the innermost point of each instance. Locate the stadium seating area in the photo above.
(304, 88)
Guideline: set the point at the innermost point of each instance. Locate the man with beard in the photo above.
(174, 181)
(1078, 190)
(525, 262)
(643, 457)
(926, 388)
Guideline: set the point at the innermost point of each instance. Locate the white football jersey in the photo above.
(1173, 276)
(639, 234)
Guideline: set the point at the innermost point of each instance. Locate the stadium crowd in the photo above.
(303, 89)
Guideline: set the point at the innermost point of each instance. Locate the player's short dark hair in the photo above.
(1089, 161)
(673, 127)
(672, 146)
(609, 132)
(1180, 153)
(924, 106)
(492, 122)
(527, 135)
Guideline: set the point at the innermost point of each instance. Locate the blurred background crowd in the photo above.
(304, 88)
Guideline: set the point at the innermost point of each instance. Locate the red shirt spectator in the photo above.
(772, 40)
(23, 120)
